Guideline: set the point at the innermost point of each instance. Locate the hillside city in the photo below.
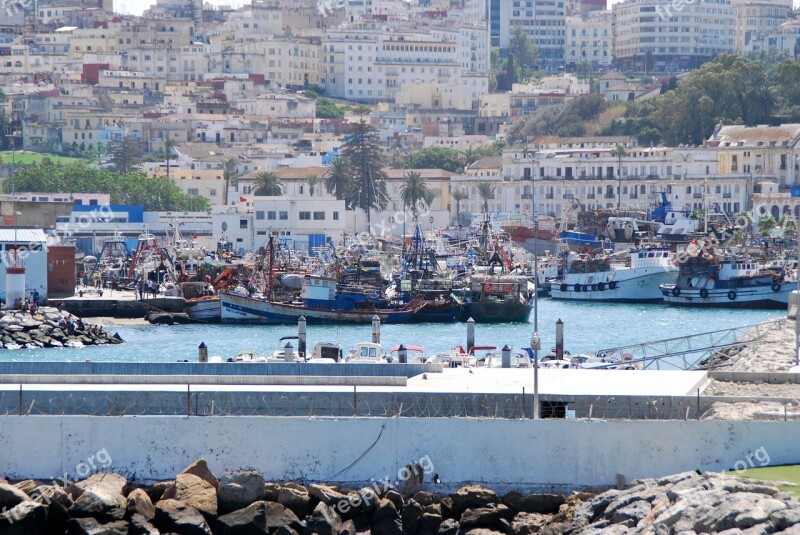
(237, 123)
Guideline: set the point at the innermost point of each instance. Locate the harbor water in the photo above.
(587, 328)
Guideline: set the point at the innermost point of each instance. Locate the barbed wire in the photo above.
(366, 404)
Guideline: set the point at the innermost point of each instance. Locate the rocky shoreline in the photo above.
(49, 327)
(196, 502)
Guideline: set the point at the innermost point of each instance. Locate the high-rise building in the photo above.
(542, 20)
(664, 35)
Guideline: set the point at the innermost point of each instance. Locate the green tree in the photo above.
(169, 149)
(312, 181)
(125, 151)
(412, 191)
(486, 191)
(434, 157)
(522, 50)
(428, 197)
(230, 172)
(327, 109)
(620, 152)
(458, 196)
(765, 224)
(338, 178)
(267, 185)
(365, 159)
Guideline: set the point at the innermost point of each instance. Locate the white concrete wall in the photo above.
(503, 454)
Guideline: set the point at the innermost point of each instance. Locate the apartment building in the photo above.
(284, 62)
(543, 20)
(589, 40)
(661, 35)
(757, 21)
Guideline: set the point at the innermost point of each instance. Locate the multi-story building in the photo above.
(589, 40)
(663, 35)
(284, 62)
(757, 21)
(543, 21)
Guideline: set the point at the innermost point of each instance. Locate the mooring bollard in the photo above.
(506, 362)
(288, 352)
(559, 339)
(202, 352)
(376, 329)
(470, 335)
(402, 354)
(301, 337)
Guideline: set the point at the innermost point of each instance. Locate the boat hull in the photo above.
(490, 312)
(629, 286)
(240, 308)
(754, 298)
(206, 310)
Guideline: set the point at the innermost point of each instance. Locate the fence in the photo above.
(353, 403)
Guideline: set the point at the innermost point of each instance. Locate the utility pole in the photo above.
(13, 134)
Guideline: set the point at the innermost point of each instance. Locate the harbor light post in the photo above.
(536, 342)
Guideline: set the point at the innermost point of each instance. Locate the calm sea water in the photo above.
(587, 327)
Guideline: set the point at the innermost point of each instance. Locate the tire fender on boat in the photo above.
(676, 292)
(703, 293)
(776, 287)
(613, 285)
(601, 286)
(732, 295)
(563, 287)
(578, 288)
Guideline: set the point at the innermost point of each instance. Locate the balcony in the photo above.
(527, 196)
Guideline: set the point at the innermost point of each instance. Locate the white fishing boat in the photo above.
(455, 357)
(204, 309)
(632, 278)
(706, 280)
(494, 359)
(367, 353)
(414, 354)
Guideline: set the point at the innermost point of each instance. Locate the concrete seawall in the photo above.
(119, 308)
(502, 454)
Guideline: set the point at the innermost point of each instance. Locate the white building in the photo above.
(757, 20)
(659, 35)
(543, 21)
(590, 40)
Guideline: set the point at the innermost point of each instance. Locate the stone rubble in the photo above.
(49, 327)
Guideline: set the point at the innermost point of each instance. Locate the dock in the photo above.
(117, 304)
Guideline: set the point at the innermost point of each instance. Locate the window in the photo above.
(271, 215)
(336, 216)
(319, 216)
(305, 216)
(283, 216)
(243, 223)
(193, 192)
(260, 215)
(300, 190)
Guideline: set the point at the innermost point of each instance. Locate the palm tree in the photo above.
(267, 185)
(312, 181)
(413, 190)
(429, 196)
(169, 148)
(458, 196)
(337, 178)
(619, 151)
(229, 173)
(486, 191)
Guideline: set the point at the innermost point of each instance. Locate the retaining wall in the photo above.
(504, 454)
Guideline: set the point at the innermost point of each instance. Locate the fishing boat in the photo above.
(709, 280)
(204, 309)
(635, 277)
(490, 298)
(367, 353)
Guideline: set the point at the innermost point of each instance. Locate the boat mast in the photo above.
(271, 249)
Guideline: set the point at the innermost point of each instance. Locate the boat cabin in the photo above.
(368, 352)
(327, 351)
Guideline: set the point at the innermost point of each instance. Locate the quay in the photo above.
(117, 304)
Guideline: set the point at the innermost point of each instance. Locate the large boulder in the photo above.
(26, 518)
(200, 469)
(101, 496)
(193, 491)
(534, 503)
(139, 503)
(174, 516)
(139, 525)
(486, 517)
(411, 515)
(296, 499)
(472, 496)
(327, 494)
(11, 496)
(527, 524)
(251, 520)
(279, 516)
(239, 489)
(323, 521)
(90, 526)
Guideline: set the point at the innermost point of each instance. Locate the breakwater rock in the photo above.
(49, 327)
(197, 502)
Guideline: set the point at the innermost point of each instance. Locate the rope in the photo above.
(360, 457)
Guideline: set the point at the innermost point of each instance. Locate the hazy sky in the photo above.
(136, 7)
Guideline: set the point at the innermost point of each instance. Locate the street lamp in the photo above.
(536, 342)
(13, 134)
